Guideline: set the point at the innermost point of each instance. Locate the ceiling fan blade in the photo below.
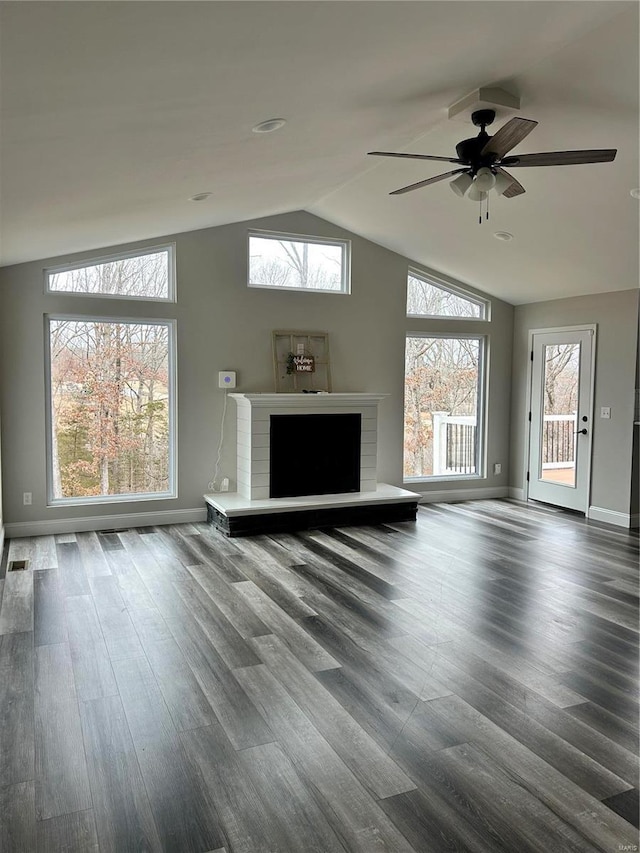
(509, 135)
(414, 156)
(426, 182)
(561, 158)
(516, 187)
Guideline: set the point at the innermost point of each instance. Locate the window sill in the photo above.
(110, 499)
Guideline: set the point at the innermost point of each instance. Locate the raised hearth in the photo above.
(234, 515)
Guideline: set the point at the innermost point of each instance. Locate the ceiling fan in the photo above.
(483, 159)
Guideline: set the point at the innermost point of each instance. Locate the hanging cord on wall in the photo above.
(212, 483)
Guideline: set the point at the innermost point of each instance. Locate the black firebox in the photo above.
(314, 454)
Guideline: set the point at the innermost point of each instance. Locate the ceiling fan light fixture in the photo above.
(461, 184)
(476, 194)
(485, 179)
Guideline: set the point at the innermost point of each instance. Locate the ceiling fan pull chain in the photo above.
(480, 217)
(487, 213)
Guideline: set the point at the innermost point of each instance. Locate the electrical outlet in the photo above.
(227, 379)
(224, 485)
(497, 468)
(605, 412)
(27, 498)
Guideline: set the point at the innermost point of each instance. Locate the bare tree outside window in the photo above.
(110, 408)
(441, 407)
(562, 363)
(146, 276)
(426, 299)
(297, 264)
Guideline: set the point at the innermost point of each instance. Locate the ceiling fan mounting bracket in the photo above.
(483, 118)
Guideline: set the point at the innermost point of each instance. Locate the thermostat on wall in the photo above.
(227, 379)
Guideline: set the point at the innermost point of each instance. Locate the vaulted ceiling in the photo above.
(114, 114)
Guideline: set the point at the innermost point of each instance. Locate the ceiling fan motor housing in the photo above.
(470, 151)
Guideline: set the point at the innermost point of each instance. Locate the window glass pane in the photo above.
(426, 299)
(110, 393)
(297, 264)
(441, 400)
(141, 277)
(560, 419)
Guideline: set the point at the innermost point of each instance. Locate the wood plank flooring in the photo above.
(467, 682)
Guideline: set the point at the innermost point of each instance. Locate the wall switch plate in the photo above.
(27, 498)
(227, 379)
(605, 412)
(497, 468)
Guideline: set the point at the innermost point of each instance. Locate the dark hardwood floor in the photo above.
(467, 682)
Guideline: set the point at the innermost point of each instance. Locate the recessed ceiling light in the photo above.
(200, 197)
(635, 193)
(269, 125)
(503, 235)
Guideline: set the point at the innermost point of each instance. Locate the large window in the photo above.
(443, 406)
(288, 262)
(111, 395)
(147, 275)
(427, 297)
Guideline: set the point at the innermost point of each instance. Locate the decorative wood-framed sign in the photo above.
(301, 361)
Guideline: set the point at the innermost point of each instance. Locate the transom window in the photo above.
(147, 274)
(290, 262)
(111, 409)
(443, 408)
(429, 298)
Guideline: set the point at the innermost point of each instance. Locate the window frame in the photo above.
(456, 290)
(481, 407)
(345, 245)
(129, 497)
(96, 260)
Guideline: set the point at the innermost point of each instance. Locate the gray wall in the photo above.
(616, 316)
(635, 460)
(1, 514)
(223, 325)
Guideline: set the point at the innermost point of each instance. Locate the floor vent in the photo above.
(17, 565)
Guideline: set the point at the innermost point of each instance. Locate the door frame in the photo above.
(583, 327)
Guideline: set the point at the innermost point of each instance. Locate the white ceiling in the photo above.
(113, 114)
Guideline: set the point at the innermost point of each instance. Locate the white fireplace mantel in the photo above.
(323, 399)
(253, 422)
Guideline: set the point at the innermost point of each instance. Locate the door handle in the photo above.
(581, 432)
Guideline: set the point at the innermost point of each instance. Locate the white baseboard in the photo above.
(103, 522)
(609, 516)
(517, 494)
(451, 495)
(1, 540)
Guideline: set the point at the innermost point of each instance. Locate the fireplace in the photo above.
(307, 461)
(314, 454)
